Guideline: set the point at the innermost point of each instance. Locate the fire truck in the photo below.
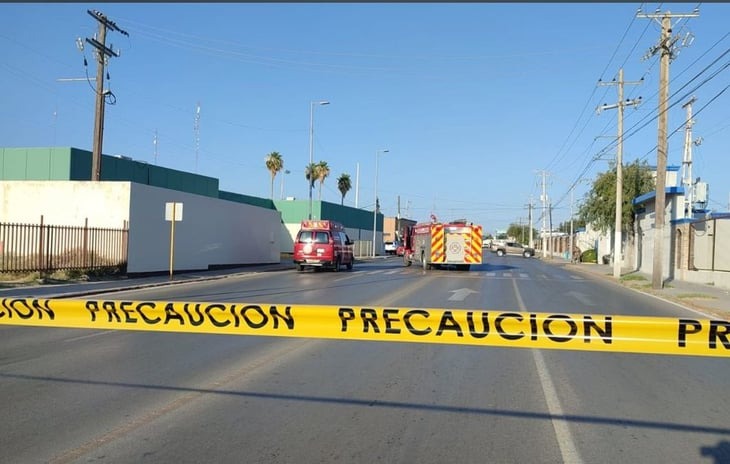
(438, 244)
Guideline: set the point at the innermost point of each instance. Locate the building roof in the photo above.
(651, 195)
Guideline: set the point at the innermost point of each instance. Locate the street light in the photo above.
(375, 205)
(286, 171)
(311, 146)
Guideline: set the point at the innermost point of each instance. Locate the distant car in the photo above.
(391, 247)
(514, 248)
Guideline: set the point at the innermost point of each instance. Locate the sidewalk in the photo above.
(86, 288)
(708, 299)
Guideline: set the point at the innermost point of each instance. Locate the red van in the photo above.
(323, 243)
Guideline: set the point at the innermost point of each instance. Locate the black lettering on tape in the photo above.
(407, 321)
(286, 317)
(548, 322)
(472, 328)
(171, 314)
(387, 317)
(24, 310)
(92, 307)
(346, 315)
(449, 323)
(212, 319)
(195, 322)
(605, 332)
(128, 313)
(719, 329)
(687, 327)
(500, 330)
(533, 327)
(369, 318)
(144, 316)
(258, 312)
(111, 310)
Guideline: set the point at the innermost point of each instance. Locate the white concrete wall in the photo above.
(212, 232)
(66, 203)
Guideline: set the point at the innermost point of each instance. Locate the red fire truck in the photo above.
(439, 244)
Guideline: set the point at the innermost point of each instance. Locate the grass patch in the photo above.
(687, 296)
(632, 277)
(18, 277)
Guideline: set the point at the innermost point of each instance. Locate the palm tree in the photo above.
(310, 173)
(322, 171)
(274, 163)
(344, 185)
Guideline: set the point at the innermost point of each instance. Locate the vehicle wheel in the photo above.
(526, 254)
(500, 252)
(300, 268)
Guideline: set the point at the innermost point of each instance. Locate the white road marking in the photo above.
(562, 432)
(83, 337)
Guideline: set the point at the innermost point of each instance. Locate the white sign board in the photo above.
(178, 207)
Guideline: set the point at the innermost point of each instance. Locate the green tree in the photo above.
(599, 206)
(577, 224)
(521, 232)
(321, 172)
(274, 163)
(310, 173)
(344, 185)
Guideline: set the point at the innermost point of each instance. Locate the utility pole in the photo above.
(687, 162)
(617, 256)
(196, 128)
(102, 54)
(529, 221)
(550, 209)
(543, 200)
(667, 49)
(357, 184)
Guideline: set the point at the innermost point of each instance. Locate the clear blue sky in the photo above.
(471, 99)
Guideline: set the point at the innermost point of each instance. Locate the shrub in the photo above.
(588, 256)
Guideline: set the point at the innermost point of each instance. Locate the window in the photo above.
(312, 236)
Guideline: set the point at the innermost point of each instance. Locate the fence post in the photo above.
(85, 247)
(40, 247)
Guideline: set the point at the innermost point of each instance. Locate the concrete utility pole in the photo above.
(529, 221)
(543, 200)
(667, 49)
(102, 54)
(617, 256)
(687, 161)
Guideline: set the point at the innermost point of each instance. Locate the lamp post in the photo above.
(311, 146)
(375, 205)
(286, 171)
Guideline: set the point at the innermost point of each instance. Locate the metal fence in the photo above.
(47, 248)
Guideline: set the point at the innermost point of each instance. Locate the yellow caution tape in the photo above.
(628, 334)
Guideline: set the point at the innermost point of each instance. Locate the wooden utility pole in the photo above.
(666, 48)
(102, 54)
(617, 257)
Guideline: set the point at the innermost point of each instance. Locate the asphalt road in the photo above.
(125, 396)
